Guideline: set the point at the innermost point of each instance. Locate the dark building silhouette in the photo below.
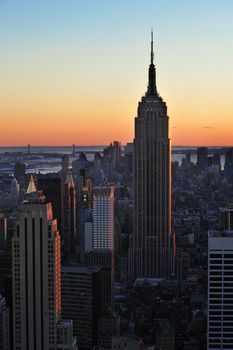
(116, 154)
(104, 259)
(150, 247)
(3, 231)
(81, 300)
(229, 157)
(69, 228)
(4, 325)
(202, 157)
(216, 159)
(19, 172)
(52, 189)
(226, 219)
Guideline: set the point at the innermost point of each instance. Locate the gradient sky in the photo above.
(73, 71)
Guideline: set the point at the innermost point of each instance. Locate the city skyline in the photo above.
(52, 62)
(116, 175)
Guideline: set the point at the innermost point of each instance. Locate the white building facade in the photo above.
(220, 290)
(103, 218)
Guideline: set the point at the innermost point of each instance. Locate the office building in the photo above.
(81, 302)
(226, 219)
(202, 157)
(150, 253)
(116, 154)
(69, 217)
(65, 338)
(52, 189)
(3, 231)
(19, 172)
(4, 325)
(229, 157)
(103, 218)
(36, 274)
(65, 166)
(220, 287)
(105, 259)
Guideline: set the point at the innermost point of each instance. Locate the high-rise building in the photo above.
(36, 274)
(81, 302)
(69, 217)
(84, 219)
(103, 258)
(229, 157)
(103, 217)
(19, 172)
(202, 157)
(65, 166)
(52, 189)
(226, 219)
(116, 154)
(220, 287)
(65, 338)
(4, 325)
(3, 231)
(150, 253)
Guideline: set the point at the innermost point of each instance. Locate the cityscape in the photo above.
(119, 245)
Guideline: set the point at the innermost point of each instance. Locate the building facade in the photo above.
(36, 269)
(4, 325)
(103, 218)
(150, 253)
(220, 290)
(81, 302)
(3, 231)
(52, 189)
(105, 259)
(69, 229)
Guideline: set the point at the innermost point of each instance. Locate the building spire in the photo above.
(31, 186)
(152, 90)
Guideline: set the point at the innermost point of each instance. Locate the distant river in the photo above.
(52, 164)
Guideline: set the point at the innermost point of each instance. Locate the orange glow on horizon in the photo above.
(61, 116)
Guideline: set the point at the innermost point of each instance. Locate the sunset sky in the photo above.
(73, 71)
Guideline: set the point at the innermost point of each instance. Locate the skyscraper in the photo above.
(36, 275)
(81, 301)
(226, 219)
(202, 157)
(52, 189)
(103, 217)
(103, 258)
(69, 217)
(220, 298)
(19, 172)
(3, 231)
(4, 325)
(65, 166)
(150, 247)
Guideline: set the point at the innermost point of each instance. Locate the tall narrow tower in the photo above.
(103, 217)
(69, 216)
(150, 248)
(36, 278)
(36, 275)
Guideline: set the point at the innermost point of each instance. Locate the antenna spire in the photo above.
(152, 48)
(152, 90)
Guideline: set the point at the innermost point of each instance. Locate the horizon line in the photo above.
(105, 145)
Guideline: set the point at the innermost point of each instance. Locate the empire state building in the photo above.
(150, 252)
